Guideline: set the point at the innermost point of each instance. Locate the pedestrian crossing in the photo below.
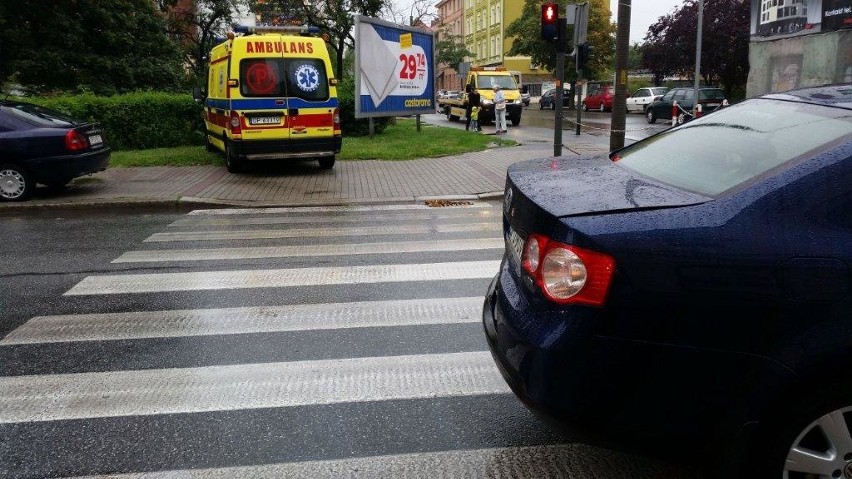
(348, 347)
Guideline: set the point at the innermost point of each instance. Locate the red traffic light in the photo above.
(549, 20)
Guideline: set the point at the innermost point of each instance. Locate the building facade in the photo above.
(798, 43)
(450, 21)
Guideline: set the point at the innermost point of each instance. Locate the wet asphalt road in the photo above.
(336, 342)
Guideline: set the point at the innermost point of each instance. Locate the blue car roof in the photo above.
(838, 95)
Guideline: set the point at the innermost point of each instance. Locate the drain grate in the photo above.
(440, 203)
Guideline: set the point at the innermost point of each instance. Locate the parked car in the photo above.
(40, 145)
(599, 96)
(710, 98)
(548, 99)
(642, 97)
(525, 98)
(691, 294)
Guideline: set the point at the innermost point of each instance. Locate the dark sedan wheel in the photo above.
(649, 114)
(540, 105)
(809, 438)
(16, 184)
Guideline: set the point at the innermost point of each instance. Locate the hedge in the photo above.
(142, 120)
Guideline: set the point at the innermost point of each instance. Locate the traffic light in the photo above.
(584, 52)
(550, 22)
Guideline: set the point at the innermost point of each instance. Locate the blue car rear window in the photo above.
(38, 116)
(727, 148)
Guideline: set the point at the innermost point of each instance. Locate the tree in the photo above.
(670, 43)
(196, 28)
(634, 57)
(334, 17)
(450, 49)
(526, 39)
(105, 47)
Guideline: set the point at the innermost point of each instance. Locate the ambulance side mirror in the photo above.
(197, 94)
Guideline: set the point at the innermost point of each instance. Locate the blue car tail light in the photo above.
(568, 274)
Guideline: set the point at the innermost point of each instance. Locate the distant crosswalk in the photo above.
(283, 342)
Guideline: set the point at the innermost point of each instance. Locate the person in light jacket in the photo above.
(499, 110)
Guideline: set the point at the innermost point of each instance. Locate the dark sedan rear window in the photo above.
(722, 150)
(711, 95)
(37, 115)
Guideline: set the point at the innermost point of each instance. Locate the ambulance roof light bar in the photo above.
(246, 29)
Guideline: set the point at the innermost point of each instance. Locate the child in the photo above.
(474, 118)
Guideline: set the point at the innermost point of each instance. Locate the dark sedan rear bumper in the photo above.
(678, 402)
(61, 169)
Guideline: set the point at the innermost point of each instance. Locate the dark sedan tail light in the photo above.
(75, 141)
(568, 274)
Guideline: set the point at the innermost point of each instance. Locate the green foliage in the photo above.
(350, 125)
(103, 47)
(137, 120)
(525, 32)
(450, 49)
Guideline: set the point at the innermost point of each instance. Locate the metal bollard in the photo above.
(698, 111)
(674, 113)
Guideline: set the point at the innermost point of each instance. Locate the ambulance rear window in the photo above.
(293, 77)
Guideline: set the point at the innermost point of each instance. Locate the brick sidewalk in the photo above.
(470, 175)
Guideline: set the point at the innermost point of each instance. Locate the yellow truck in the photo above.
(483, 79)
(271, 95)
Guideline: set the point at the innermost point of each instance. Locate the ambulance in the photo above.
(272, 95)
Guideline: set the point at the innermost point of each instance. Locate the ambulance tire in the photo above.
(209, 146)
(234, 164)
(326, 163)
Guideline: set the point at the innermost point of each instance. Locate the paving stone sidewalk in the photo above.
(477, 175)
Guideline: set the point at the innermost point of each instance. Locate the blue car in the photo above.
(690, 296)
(41, 145)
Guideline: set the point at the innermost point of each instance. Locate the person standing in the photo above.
(473, 99)
(499, 110)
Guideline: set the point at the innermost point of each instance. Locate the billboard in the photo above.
(394, 69)
(776, 18)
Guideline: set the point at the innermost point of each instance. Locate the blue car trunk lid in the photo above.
(570, 186)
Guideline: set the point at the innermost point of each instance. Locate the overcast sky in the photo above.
(643, 14)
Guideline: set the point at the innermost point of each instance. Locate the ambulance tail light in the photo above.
(336, 117)
(74, 141)
(234, 124)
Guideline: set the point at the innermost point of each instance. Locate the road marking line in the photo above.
(247, 386)
(552, 460)
(220, 235)
(263, 319)
(438, 215)
(329, 209)
(280, 278)
(207, 254)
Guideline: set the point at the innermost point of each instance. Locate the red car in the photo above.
(598, 97)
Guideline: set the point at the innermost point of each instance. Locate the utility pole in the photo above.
(698, 56)
(619, 106)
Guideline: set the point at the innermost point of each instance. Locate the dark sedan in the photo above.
(548, 99)
(40, 145)
(710, 99)
(690, 295)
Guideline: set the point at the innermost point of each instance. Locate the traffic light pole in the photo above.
(560, 76)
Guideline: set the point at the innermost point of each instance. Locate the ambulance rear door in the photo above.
(310, 105)
(262, 101)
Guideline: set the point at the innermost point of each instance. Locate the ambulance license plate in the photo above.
(264, 120)
(95, 140)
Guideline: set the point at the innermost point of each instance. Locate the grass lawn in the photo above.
(399, 141)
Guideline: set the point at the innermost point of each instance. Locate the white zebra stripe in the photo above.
(348, 249)
(531, 462)
(222, 235)
(247, 386)
(279, 278)
(202, 322)
(328, 209)
(439, 214)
